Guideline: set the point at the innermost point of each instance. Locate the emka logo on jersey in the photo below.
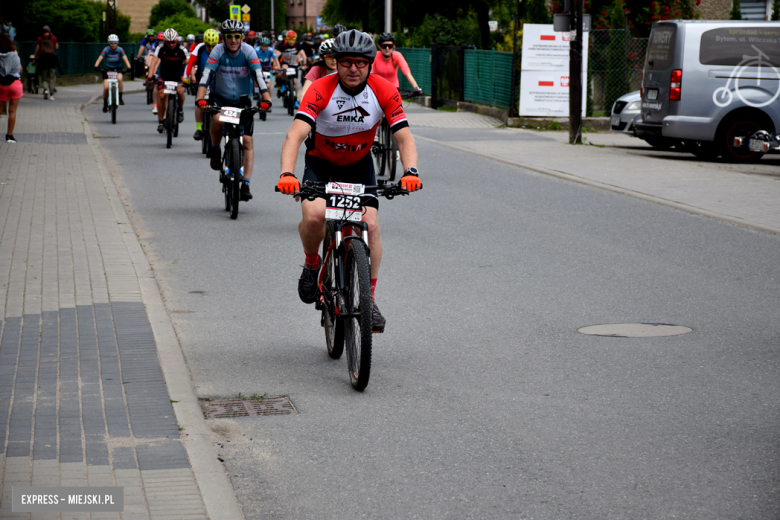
(397, 112)
(313, 108)
(346, 117)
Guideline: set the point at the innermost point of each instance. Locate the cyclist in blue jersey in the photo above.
(146, 44)
(195, 67)
(229, 72)
(113, 54)
(267, 56)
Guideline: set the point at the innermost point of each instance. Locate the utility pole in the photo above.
(388, 15)
(575, 75)
(272, 17)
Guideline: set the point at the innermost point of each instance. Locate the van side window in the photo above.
(730, 46)
(660, 50)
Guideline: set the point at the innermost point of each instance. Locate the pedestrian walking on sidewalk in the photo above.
(47, 61)
(11, 90)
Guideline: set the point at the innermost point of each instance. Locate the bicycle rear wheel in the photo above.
(176, 116)
(358, 309)
(234, 178)
(334, 328)
(378, 151)
(392, 156)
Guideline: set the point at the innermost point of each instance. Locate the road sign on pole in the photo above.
(245, 9)
(235, 12)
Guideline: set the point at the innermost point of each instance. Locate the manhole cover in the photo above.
(635, 330)
(249, 408)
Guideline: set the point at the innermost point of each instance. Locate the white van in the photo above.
(706, 82)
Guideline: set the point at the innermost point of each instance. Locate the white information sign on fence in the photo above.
(544, 80)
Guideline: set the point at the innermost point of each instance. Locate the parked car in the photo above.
(707, 82)
(626, 112)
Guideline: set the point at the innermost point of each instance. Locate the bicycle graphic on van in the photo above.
(723, 95)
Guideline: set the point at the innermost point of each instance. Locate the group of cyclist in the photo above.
(348, 89)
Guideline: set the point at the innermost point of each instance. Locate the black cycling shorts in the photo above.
(247, 121)
(362, 172)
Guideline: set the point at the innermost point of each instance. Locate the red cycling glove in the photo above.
(264, 105)
(288, 183)
(410, 182)
(202, 103)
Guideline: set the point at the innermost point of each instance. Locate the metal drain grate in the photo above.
(223, 408)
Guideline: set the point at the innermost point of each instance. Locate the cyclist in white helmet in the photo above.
(113, 54)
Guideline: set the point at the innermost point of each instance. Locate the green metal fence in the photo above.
(488, 77)
(615, 61)
(76, 58)
(419, 60)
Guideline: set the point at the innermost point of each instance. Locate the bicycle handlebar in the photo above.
(310, 190)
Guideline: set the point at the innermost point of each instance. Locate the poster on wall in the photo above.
(544, 80)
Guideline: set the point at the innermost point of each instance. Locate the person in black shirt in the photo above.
(171, 57)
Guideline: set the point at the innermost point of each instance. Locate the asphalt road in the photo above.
(484, 401)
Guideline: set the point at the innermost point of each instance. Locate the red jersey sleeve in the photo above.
(316, 98)
(390, 101)
(190, 63)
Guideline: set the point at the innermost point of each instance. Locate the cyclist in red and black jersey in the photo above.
(339, 114)
(171, 57)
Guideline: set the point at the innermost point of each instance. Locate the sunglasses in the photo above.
(233, 37)
(347, 64)
(388, 46)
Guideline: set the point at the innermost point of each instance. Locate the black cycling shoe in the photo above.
(180, 117)
(307, 284)
(377, 320)
(216, 161)
(245, 194)
(160, 127)
(105, 108)
(121, 101)
(198, 135)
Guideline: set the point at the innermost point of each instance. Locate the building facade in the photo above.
(138, 11)
(303, 13)
(721, 9)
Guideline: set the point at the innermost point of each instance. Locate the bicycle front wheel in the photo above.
(169, 117)
(357, 320)
(392, 158)
(334, 328)
(114, 97)
(378, 151)
(234, 178)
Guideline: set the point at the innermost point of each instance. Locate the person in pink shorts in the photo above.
(386, 65)
(10, 83)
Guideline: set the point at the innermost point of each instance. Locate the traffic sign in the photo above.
(245, 9)
(244, 17)
(235, 12)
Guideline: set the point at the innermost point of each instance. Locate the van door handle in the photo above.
(651, 63)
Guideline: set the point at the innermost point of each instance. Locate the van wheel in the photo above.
(740, 125)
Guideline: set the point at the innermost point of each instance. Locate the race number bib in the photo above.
(111, 74)
(343, 201)
(170, 87)
(230, 115)
(291, 71)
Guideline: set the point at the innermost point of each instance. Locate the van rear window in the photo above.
(735, 45)
(660, 50)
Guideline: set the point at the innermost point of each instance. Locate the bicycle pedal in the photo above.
(377, 331)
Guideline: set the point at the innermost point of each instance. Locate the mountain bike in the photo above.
(232, 172)
(385, 149)
(344, 281)
(267, 78)
(113, 93)
(289, 95)
(171, 120)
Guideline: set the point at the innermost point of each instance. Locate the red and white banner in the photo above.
(544, 80)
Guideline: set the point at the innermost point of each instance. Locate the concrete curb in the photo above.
(609, 187)
(218, 495)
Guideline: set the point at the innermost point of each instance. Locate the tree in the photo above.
(184, 25)
(536, 12)
(776, 10)
(736, 11)
(616, 54)
(70, 20)
(168, 8)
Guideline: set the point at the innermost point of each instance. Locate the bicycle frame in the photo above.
(336, 252)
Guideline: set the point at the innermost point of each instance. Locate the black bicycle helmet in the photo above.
(199, 38)
(338, 29)
(231, 26)
(354, 43)
(385, 37)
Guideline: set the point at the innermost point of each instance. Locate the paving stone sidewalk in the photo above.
(83, 400)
